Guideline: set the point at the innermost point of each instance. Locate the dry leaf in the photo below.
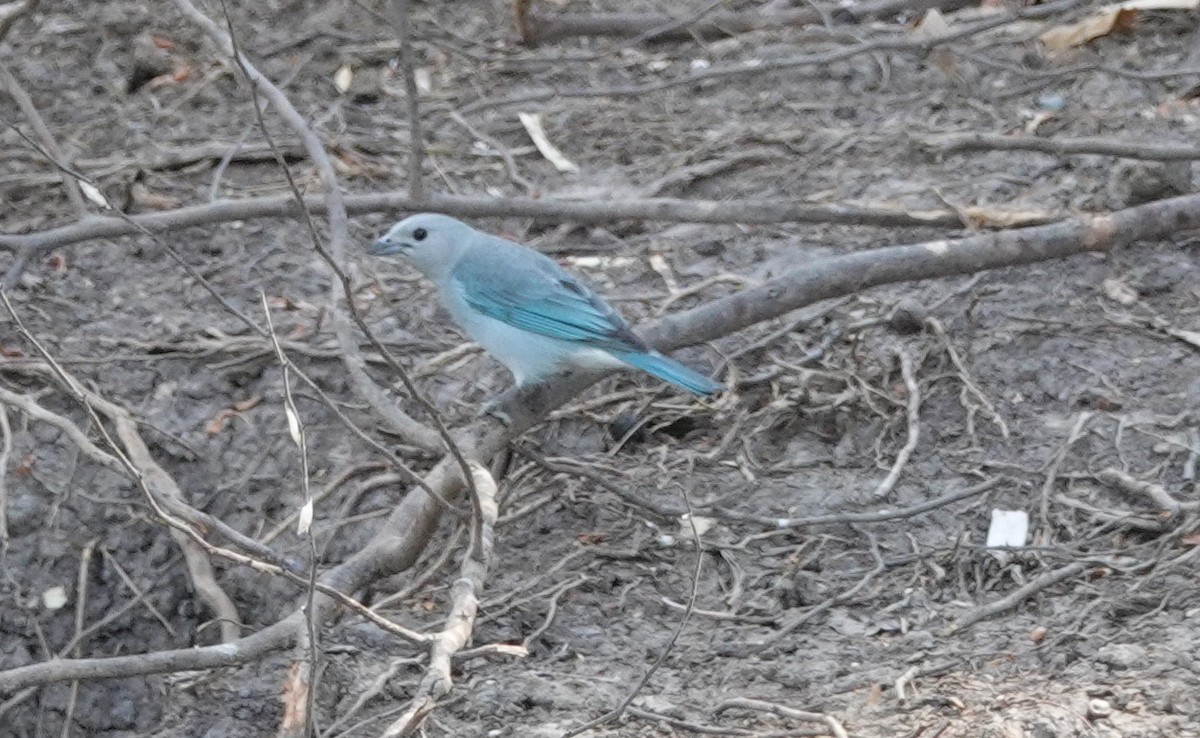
(306, 518)
(702, 524)
(1038, 118)
(143, 196)
(1118, 291)
(1189, 337)
(932, 25)
(93, 194)
(1101, 23)
(1105, 20)
(293, 425)
(533, 126)
(343, 78)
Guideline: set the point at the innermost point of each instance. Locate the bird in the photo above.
(522, 307)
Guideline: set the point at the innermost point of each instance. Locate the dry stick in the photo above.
(138, 594)
(576, 211)
(949, 143)
(745, 703)
(905, 44)
(30, 111)
(914, 425)
(964, 376)
(404, 425)
(1156, 493)
(5, 452)
(399, 542)
(308, 671)
(663, 28)
(402, 21)
(1019, 595)
(81, 598)
(506, 155)
(1052, 467)
(616, 713)
(464, 595)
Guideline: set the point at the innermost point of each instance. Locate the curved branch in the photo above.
(335, 210)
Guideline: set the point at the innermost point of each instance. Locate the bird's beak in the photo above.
(384, 247)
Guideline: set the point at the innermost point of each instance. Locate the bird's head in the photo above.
(430, 242)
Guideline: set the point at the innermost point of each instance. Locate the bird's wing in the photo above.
(529, 291)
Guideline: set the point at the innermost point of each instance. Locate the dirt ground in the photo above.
(1033, 381)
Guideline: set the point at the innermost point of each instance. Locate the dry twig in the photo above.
(1045, 581)
(913, 417)
(745, 703)
(464, 595)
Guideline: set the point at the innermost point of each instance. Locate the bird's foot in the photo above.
(494, 407)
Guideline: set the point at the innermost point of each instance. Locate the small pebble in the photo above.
(1098, 708)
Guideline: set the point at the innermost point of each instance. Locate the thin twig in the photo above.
(745, 703)
(1018, 596)
(30, 111)
(300, 438)
(402, 22)
(913, 416)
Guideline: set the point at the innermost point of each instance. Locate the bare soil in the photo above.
(1040, 377)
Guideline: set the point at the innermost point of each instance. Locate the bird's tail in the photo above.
(671, 371)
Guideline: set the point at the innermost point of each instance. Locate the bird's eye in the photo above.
(420, 234)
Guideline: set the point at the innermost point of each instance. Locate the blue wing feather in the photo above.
(539, 297)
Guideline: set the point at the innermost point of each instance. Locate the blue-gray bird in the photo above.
(522, 307)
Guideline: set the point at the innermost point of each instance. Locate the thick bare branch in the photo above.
(578, 211)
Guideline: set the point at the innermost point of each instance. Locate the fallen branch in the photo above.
(1045, 581)
(1135, 487)
(655, 27)
(399, 201)
(950, 143)
(464, 595)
